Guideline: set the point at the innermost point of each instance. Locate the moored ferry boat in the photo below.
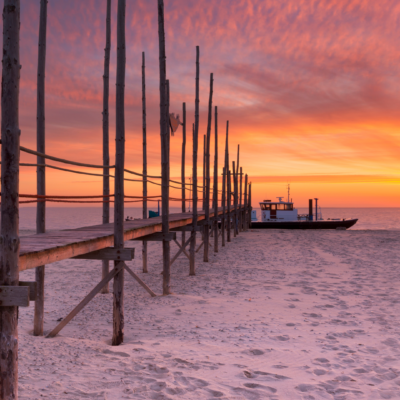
(282, 215)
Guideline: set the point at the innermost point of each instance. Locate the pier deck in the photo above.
(46, 248)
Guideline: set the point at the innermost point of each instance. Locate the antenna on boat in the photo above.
(288, 192)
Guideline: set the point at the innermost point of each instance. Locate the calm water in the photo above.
(75, 217)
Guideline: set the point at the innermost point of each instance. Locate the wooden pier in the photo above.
(46, 248)
(106, 241)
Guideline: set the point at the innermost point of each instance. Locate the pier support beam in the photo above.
(38, 319)
(9, 244)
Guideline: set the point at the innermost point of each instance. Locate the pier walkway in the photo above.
(46, 248)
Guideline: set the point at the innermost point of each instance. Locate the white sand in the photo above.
(276, 314)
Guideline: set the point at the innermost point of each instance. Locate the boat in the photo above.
(282, 215)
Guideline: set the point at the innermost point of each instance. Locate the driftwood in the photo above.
(207, 192)
(144, 127)
(194, 183)
(164, 132)
(38, 318)
(106, 140)
(118, 304)
(215, 191)
(9, 244)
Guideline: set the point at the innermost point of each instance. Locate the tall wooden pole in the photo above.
(207, 200)
(144, 127)
(204, 171)
(223, 219)
(240, 201)
(216, 183)
(183, 178)
(9, 243)
(228, 197)
(237, 192)
(106, 140)
(249, 205)
(38, 319)
(164, 132)
(234, 200)
(245, 204)
(118, 306)
(194, 182)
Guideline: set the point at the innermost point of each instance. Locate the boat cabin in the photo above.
(277, 211)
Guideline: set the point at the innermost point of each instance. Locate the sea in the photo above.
(76, 217)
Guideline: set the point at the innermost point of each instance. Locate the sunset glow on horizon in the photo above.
(311, 90)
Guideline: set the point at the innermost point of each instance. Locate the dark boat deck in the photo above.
(325, 224)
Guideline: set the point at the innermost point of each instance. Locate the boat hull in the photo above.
(325, 224)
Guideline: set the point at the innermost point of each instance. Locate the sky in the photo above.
(311, 89)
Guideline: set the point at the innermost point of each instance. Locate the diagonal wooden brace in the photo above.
(182, 248)
(141, 283)
(86, 300)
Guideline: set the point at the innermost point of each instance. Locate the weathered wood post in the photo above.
(223, 219)
(164, 132)
(38, 318)
(228, 196)
(183, 178)
(216, 183)
(194, 182)
(106, 140)
(9, 243)
(249, 205)
(234, 178)
(237, 192)
(118, 305)
(144, 128)
(204, 172)
(207, 192)
(245, 204)
(240, 201)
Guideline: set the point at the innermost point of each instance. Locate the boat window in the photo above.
(273, 206)
(265, 206)
(289, 207)
(281, 206)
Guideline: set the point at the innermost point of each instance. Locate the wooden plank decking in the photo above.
(46, 248)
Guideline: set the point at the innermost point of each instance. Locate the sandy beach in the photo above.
(274, 315)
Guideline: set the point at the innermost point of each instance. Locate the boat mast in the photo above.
(288, 192)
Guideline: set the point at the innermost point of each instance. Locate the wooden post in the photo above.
(216, 183)
(204, 171)
(118, 306)
(207, 199)
(144, 127)
(183, 178)
(194, 182)
(237, 192)
(164, 132)
(9, 243)
(106, 140)
(245, 204)
(228, 196)
(234, 200)
(38, 318)
(240, 201)
(223, 219)
(249, 205)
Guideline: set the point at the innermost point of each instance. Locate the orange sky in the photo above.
(310, 87)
